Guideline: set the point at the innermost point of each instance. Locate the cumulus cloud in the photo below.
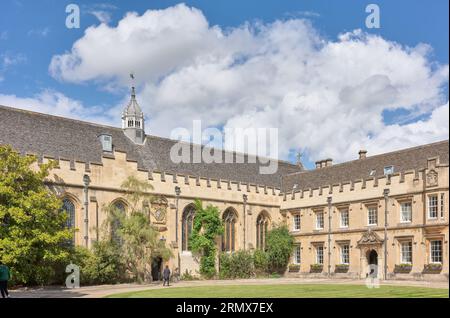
(326, 97)
(56, 103)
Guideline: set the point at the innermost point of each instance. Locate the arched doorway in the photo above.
(157, 269)
(372, 257)
(372, 260)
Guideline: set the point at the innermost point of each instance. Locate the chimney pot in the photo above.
(362, 154)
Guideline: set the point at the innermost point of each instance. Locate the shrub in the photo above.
(279, 245)
(261, 262)
(187, 275)
(224, 265)
(294, 267)
(101, 265)
(236, 265)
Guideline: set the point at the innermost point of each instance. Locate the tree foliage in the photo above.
(206, 228)
(136, 239)
(33, 235)
(279, 245)
(100, 265)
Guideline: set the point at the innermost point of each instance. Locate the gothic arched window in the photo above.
(119, 210)
(229, 236)
(69, 208)
(262, 226)
(187, 223)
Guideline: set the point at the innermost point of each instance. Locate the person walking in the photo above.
(166, 275)
(5, 275)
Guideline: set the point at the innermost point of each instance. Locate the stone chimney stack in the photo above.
(362, 154)
(324, 163)
(318, 164)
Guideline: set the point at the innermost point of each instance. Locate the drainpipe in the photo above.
(177, 196)
(386, 200)
(86, 181)
(244, 198)
(329, 235)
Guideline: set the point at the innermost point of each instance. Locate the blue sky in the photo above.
(33, 32)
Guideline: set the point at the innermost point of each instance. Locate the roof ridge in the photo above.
(31, 112)
(374, 156)
(147, 135)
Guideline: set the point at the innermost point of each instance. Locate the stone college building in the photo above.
(345, 218)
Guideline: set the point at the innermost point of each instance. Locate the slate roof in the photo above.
(402, 160)
(58, 137)
(133, 107)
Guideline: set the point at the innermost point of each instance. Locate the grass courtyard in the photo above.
(289, 291)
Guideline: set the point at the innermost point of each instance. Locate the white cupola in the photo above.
(133, 120)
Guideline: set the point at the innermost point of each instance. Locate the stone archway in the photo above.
(370, 246)
(372, 261)
(372, 257)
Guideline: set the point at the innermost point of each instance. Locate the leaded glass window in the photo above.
(187, 223)
(229, 237)
(119, 211)
(262, 224)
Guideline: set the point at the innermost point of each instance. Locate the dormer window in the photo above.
(106, 141)
(388, 170)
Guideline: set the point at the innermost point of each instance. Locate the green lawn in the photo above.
(288, 291)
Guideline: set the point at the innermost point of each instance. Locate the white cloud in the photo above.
(326, 97)
(8, 60)
(102, 16)
(42, 32)
(102, 11)
(55, 103)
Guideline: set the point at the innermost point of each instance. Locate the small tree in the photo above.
(279, 245)
(33, 233)
(135, 237)
(207, 227)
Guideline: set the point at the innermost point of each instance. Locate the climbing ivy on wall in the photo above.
(207, 228)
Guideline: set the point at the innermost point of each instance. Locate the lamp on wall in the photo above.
(86, 182)
(244, 199)
(177, 196)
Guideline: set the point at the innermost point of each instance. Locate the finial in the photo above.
(133, 90)
(299, 159)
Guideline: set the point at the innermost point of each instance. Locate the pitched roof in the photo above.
(402, 160)
(133, 107)
(58, 137)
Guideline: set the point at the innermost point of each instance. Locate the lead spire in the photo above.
(133, 118)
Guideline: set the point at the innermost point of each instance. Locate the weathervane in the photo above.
(299, 158)
(133, 93)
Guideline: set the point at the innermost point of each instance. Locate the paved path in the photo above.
(105, 290)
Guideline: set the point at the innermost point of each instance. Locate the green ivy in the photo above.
(206, 228)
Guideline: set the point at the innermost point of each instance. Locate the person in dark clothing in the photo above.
(5, 275)
(166, 275)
